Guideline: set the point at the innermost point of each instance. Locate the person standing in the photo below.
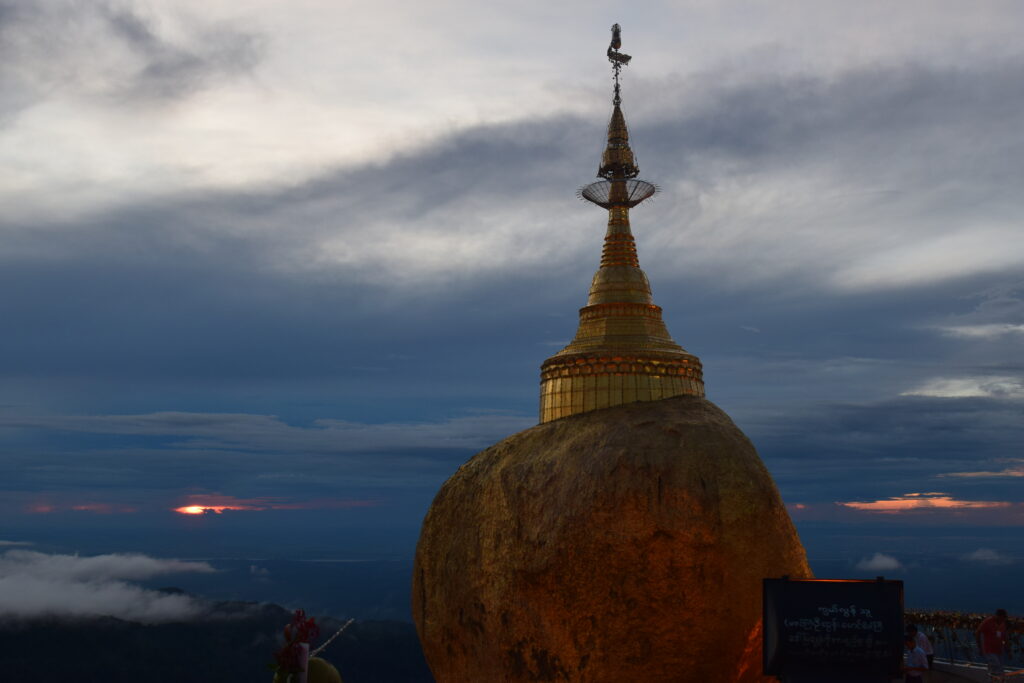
(922, 642)
(993, 637)
(916, 662)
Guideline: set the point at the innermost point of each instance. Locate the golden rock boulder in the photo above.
(625, 544)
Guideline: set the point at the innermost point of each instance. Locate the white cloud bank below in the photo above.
(879, 562)
(34, 584)
(987, 556)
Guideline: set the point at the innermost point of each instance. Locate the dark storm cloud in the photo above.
(167, 70)
(111, 50)
(817, 454)
(234, 284)
(893, 447)
(943, 114)
(133, 463)
(267, 432)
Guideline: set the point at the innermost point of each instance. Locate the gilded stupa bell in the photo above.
(622, 351)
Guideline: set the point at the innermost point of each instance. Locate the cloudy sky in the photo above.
(292, 263)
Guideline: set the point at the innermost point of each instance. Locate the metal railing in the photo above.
(953, 641)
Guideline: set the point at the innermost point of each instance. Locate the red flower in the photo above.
(300, 630)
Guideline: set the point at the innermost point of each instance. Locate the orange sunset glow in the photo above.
(923, 501)
(49, 507)
(202, 510)
(216, 504)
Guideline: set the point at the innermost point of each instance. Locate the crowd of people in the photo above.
(992, 634)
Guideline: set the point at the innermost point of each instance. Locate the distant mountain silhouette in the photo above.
(233, 644)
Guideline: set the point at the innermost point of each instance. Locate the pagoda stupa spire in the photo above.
(622, 351)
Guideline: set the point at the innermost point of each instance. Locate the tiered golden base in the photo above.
(579, 383)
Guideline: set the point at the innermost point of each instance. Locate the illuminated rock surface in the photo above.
(624, 544)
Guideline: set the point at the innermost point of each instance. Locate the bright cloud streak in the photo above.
(970, 387)
(1017, 471)
(969, 249)
(987, 331)
(116, 566)
(922, 501)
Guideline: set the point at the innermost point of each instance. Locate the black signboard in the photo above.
(833, 629)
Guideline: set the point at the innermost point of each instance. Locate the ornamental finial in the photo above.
(618, 60)
(618, 163)
(622, 351)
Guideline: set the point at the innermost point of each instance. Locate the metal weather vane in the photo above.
(620, 187)
(618, 59)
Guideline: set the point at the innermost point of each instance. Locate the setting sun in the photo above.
(201, 504)
(201, 510)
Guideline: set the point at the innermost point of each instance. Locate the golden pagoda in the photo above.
(622, 351)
